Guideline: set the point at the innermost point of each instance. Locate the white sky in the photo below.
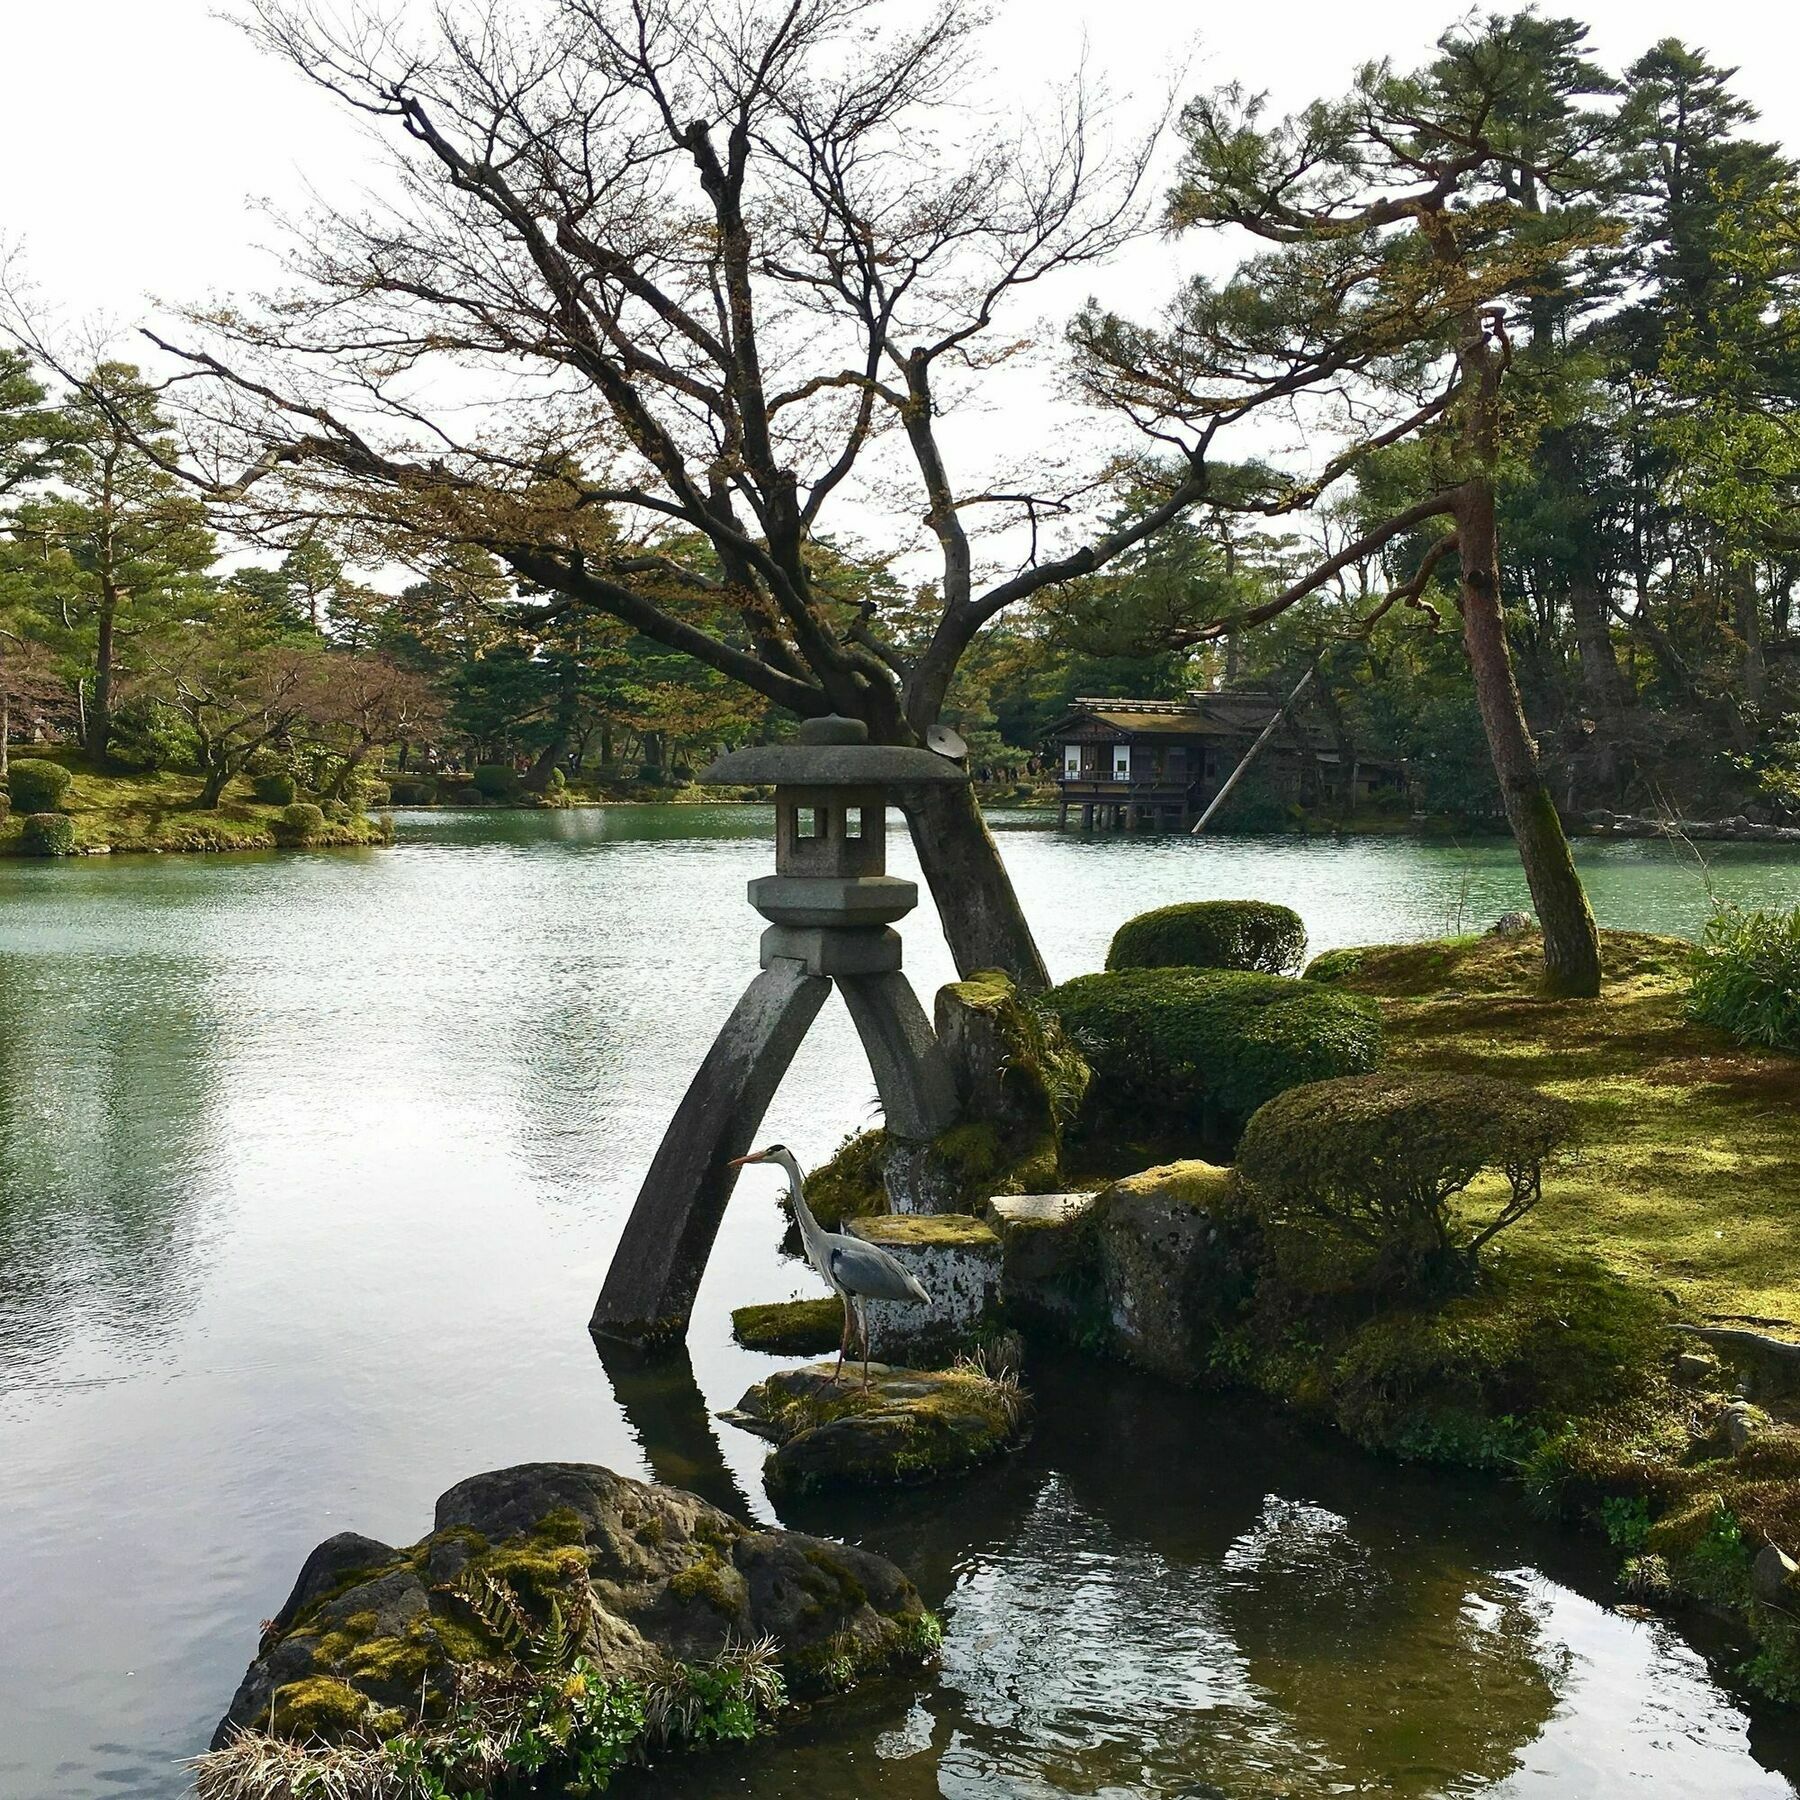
(135, 134)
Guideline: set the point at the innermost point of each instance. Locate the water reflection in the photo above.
(310, 1167)
(1168, 1597)
(667, 1414)
(106, 1134)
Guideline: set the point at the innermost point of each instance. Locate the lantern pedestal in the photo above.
(831, 907)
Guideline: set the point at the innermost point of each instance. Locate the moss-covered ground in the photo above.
(1685, 1171)
(159, 810)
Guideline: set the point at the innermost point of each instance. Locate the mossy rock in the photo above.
(370, 1628)
(1016, 1069)
(790, 1327)
(1545, 1341)
(908, 1426)
(849, 1186)
(1170, 1264)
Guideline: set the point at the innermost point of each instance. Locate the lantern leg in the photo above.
(918, 1094)
(655, 1273)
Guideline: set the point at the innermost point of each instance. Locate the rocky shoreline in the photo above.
(1739, 830)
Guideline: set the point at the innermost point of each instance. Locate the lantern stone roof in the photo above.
(830, 752)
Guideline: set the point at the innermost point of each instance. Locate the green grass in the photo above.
(1685, 1171)
(157, 810)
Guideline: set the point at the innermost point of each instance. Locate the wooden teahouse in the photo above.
(1156, 765)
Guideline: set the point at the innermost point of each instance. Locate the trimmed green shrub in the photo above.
(368, 790)
(47, 834)
(338, 812)
(1353, 1179)
(1745, 976)
(1166, 1041)
(1212, 934)
(406, 792)
(37, 786)
(275, 788)
(496, 781)
(299, 823)
(558, 779)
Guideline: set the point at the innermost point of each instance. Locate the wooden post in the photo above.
(1250, 755)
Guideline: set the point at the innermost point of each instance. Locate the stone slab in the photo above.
(1044, 1248)
(834, 950)
(954, 1257)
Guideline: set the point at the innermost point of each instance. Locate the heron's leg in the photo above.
(862, 1319)
(837, 1374)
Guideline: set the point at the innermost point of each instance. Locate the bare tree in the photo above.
(667, 288)
(365, 703)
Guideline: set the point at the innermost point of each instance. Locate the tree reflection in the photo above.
(105, 1087)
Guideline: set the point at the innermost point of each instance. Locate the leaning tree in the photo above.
(661, 292)
(1411, 225)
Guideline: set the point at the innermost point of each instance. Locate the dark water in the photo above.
(309, 1171)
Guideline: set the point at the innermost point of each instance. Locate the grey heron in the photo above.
(855, 1271)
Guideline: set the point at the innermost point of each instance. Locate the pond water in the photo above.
(310, 1167)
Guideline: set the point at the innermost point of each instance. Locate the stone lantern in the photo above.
(831, 907)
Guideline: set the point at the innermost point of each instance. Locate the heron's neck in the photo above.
(809, 1226)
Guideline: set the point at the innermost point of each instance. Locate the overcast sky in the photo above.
(136, 135)
(133, 133)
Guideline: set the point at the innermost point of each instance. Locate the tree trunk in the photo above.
(97, 727)
(982, 918)
(213, 787)
(1747, 608)
(1602, 682)
(352, 761)
(1571, 941)
(5, 734)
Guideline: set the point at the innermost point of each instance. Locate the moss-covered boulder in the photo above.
(374, 1640)
(907, 1426)
(790, 1327)
(1167, 1244)
(1015, 1068)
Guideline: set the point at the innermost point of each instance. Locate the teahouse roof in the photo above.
(1200, 715)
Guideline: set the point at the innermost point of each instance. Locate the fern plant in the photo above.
(1744, 976)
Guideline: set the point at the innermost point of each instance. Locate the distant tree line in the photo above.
(132, 626)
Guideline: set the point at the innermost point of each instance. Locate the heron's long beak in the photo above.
(737, 1162)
